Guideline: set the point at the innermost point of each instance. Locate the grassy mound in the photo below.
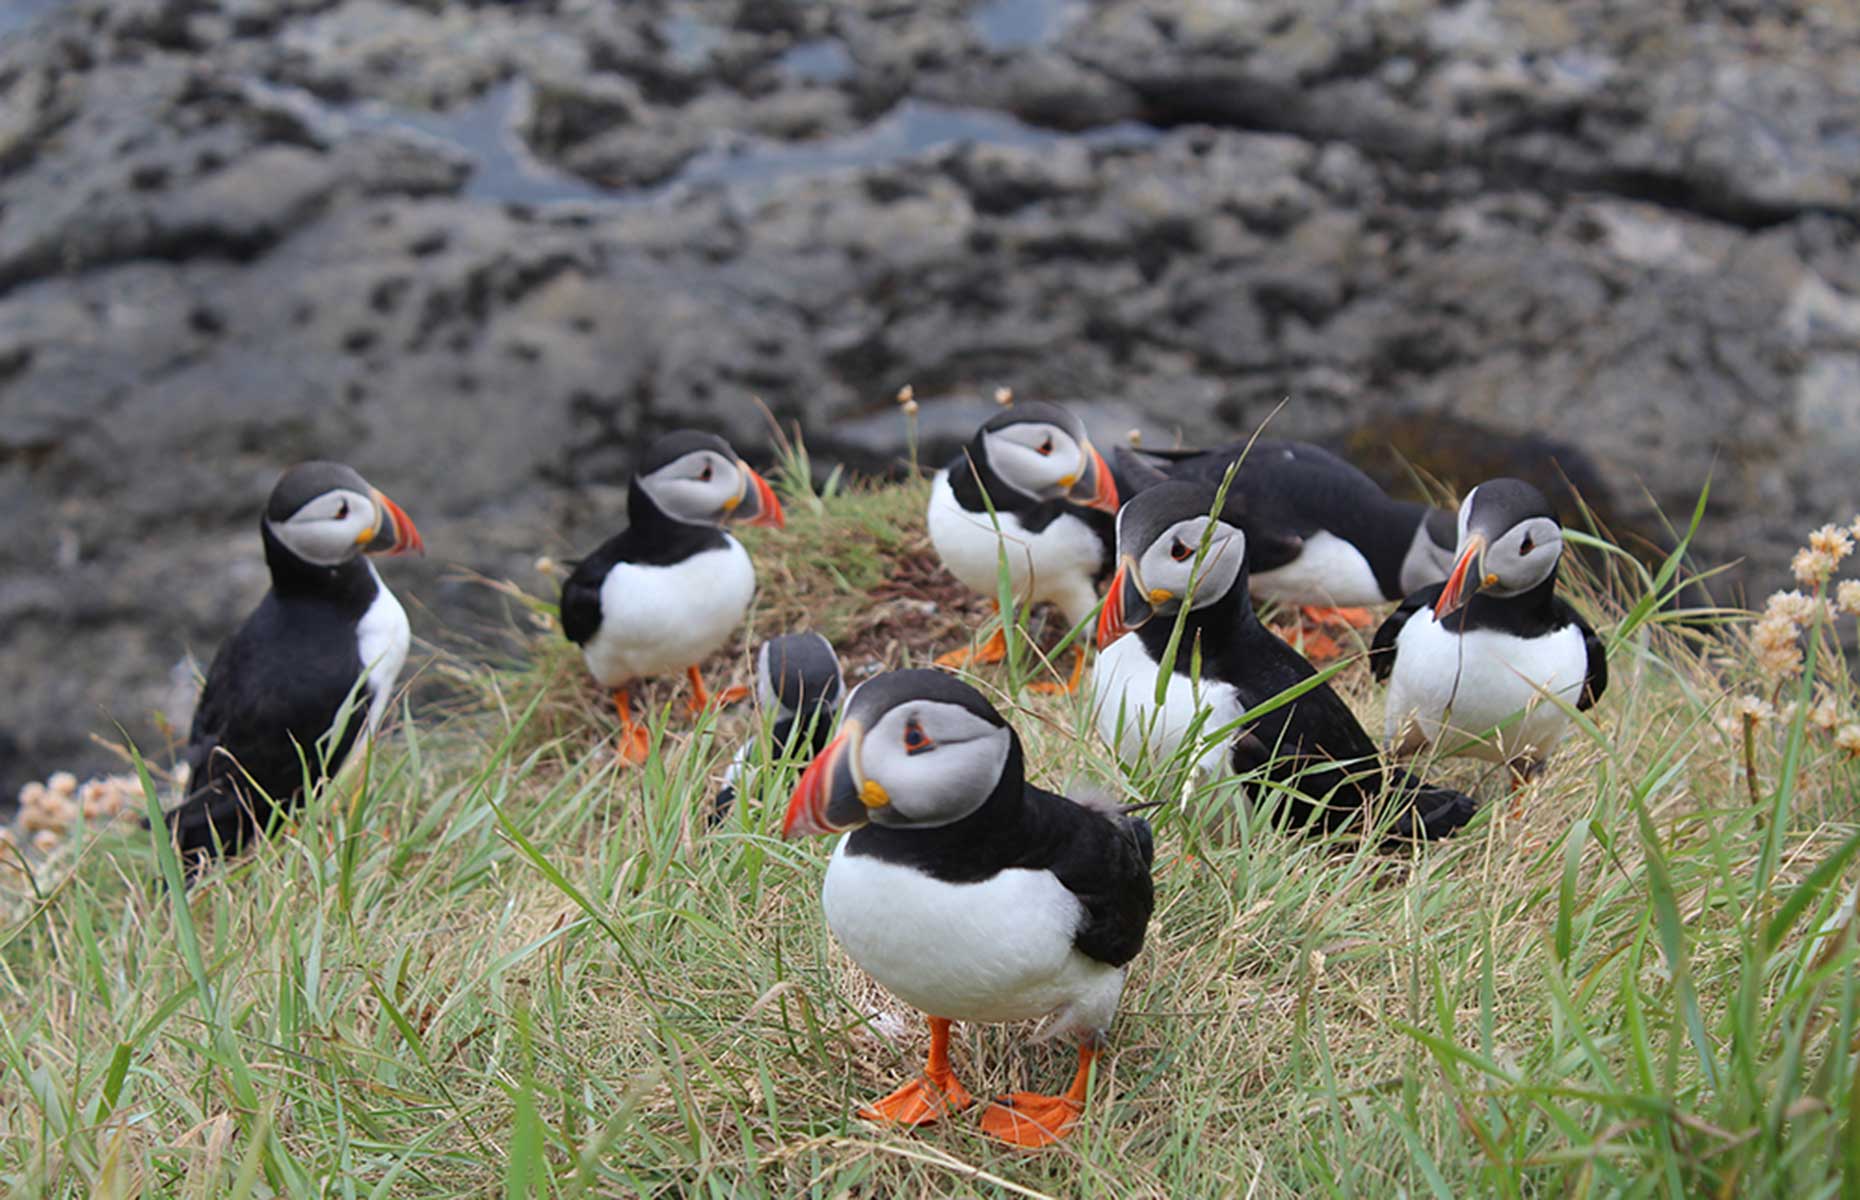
(487, 960)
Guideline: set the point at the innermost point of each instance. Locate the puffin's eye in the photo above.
(1527, 545)
(916, 741)
(1180, 550)
(704, 475)
(342, 511)
(1046, 447)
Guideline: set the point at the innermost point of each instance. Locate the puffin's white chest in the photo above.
(1056, 564)
(997, 950)
(660, 619)
(1468, 683)
(1128, 718)
(1327, 571)
(381, 641)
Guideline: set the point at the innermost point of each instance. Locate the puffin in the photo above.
(668, 591)
(1313, 747)
(1322, 535)
(798, 680)
(969, 893)
(309, 673)
(1471, 663)
(1052, 498)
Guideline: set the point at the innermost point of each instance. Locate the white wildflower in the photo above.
(1832, 541)
(1778, 653)
(1755, 710)
(1812, 567)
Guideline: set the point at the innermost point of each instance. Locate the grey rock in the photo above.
(1493, 235)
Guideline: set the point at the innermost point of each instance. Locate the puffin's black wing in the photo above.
(1270, 543)
(1434, 812)
(276, 685)
(1595, 680)
(1382, 648)
(581, 597)
(1103, 859)
(1317, 748)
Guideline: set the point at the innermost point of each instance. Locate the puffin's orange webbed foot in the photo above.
(634, 744)
(931, 1096)
(1030, 1119)
(702, 697)
(991, 651)
(1354, 618)
(918, 1102)
(1071, 685)
(1318, 647)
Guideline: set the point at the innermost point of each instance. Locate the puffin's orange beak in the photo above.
(397, 534)
(829, 797)
(1455, 593)
(757, 505)
(1095, 488)
(1125, 606)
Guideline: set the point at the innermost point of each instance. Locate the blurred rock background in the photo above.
(480, 250)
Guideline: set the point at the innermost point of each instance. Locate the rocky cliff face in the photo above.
(478, 250)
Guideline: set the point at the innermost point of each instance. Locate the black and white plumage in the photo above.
(798, 680)
(310, 671)
(966, 891)
(669, 590)
(1314, 745)
(1319, 531)
(1471, 662)
(1052, 498)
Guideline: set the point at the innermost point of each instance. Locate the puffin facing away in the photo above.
(798, 679)
(1052, 496)
(668, 591)
(1314, 746)
(310, 671)
(1322, 535)
(1471, 663)
(968, 893)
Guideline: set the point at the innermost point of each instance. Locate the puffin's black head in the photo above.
(1042, 452)
(916, 749)
(326, 514)
(1443, 529)
(1158, 536)
(798, 673)
(696, 477)
(1509, 542)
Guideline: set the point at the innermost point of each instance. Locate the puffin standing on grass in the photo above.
(1472, 663)
(668, 591)
(1321, 534)
(798, 679)
(1313, 746)
(310, 671)
(968, 893)
(1052, 499)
